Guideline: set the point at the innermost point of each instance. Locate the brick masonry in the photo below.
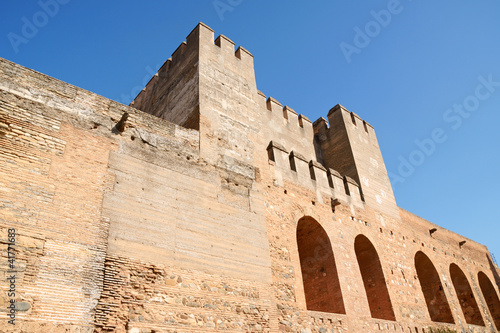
(215, 208)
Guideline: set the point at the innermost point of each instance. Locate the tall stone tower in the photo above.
(349, 145)
(209, 87)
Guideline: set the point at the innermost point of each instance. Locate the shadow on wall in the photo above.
(319, 271)
(373, 279)
(435, 298)
(494, 270)
(465, 296)
(491, 297)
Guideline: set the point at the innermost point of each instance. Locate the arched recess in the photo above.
(319, 271)
(490, 296)
(465, 296)
(373, 279)
(434, 295)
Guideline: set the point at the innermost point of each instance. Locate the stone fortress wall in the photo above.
(212, 207)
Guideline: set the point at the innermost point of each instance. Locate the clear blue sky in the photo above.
(416, 70)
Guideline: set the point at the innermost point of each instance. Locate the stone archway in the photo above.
(373, 279)
(319, 271)
(490, 296)
(434, 295)
(465, 296)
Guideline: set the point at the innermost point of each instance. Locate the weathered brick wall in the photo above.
(56, 141)
(396, 242)
(140, 297)
(143, 196)
(53, 179)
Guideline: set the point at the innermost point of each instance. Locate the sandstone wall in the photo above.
(96, 210)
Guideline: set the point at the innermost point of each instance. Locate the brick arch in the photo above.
(435, 298)
(490, 296)
(465, 296)
(319, 271)
(373, 279)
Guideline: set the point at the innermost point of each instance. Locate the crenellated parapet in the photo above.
(173, 92)
(291, 166)
(344, 142)
(285, 113)
(293, 127)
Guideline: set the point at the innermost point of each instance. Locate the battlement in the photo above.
(296, 129)
(289, 115)
(291, 166)
(356, 120)
(178, 100)
(208, 86)
(345, 144)
(152, 97)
